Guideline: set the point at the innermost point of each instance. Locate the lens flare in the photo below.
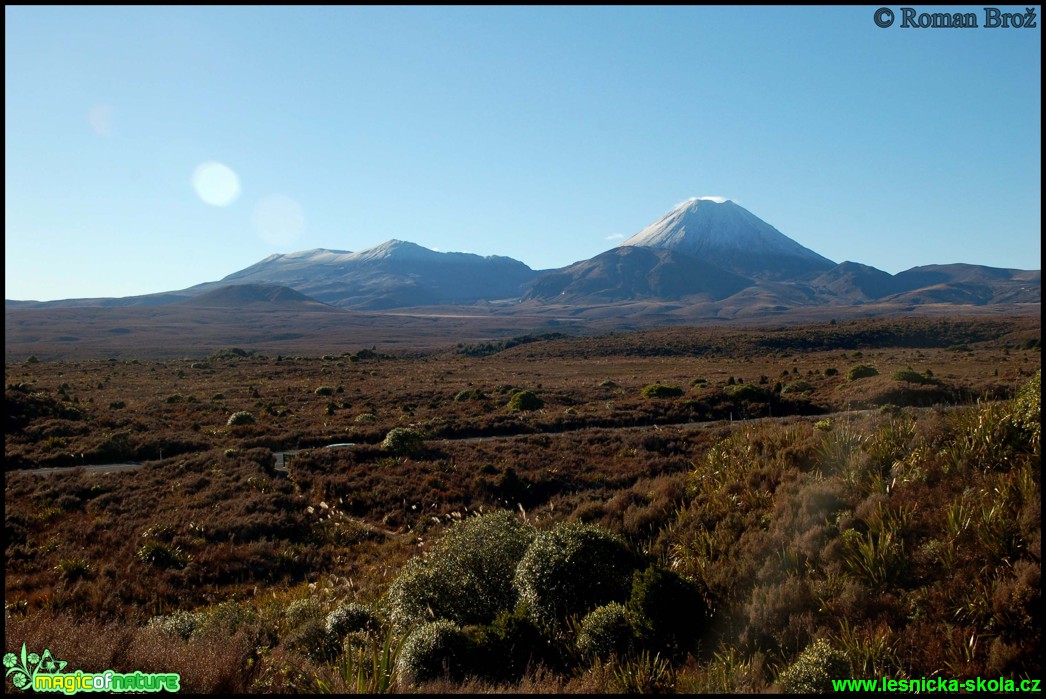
(279, 220)
(215, 183)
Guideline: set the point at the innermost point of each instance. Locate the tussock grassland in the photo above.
(779, 523)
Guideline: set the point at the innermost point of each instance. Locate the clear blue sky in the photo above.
(544, 134)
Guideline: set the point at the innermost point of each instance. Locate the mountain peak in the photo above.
(721, 231)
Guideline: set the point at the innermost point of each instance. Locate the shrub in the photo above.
(404, 440)
(470, 394)
(366, 417)
(324, 391)
(525, 400)
(910, 376)
(657, 390)
(432, 650)
(351, 617)
(814, 669)
(861, 371)
(241, 418)
(670, 609)
(799, 386)
(302, 610)
(831, 371)
(466, 577)
(180, 623)
(572, 569)
(312, 640)
(512, 644)
(607, 631)
(749, 392)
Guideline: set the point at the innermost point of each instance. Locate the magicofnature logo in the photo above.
(42, 672)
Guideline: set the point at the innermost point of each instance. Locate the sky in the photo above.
(151, 149)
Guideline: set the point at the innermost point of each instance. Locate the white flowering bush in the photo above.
(814, 669)
(607, 631)
(351, 617)
(241, 417)
(466, 577)
(403, 440)
(432, 650)
(572, 569)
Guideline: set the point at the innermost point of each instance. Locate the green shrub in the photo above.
(467, 575)
(814, 669)
(861, 371)
(670, 609)
(179, 623)
(749, 392)
(525, 400)
(241, 418)
(324, 391)
(910, 376)
(512, 644)
(300, 611)
(366, 417)
(313, 640)
(572, 569)
(799, 386)
(607, 631)
(352, 617)
(404, 440)
(433, 650)
(657, 390)
(831, 371)
(470, 394)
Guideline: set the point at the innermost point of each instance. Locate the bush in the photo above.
(351, 617)
(312, 640)
(432, 650)
(799, 386)
(179, 623)
(607, 631)
(749, 392)
(572, 569)
(324, 391)
(910, 376)
(525, 400)
(670, 609)
(657, 390)
(814, 670)
(466, 577)
(241, 418)
(511, 645)
(861, 371)
(404, 440)
(470, 394)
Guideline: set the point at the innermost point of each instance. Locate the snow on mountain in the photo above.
(719, 231)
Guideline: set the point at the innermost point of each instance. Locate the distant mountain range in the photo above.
(708, 253)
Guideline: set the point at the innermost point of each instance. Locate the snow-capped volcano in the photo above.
(719, 231)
